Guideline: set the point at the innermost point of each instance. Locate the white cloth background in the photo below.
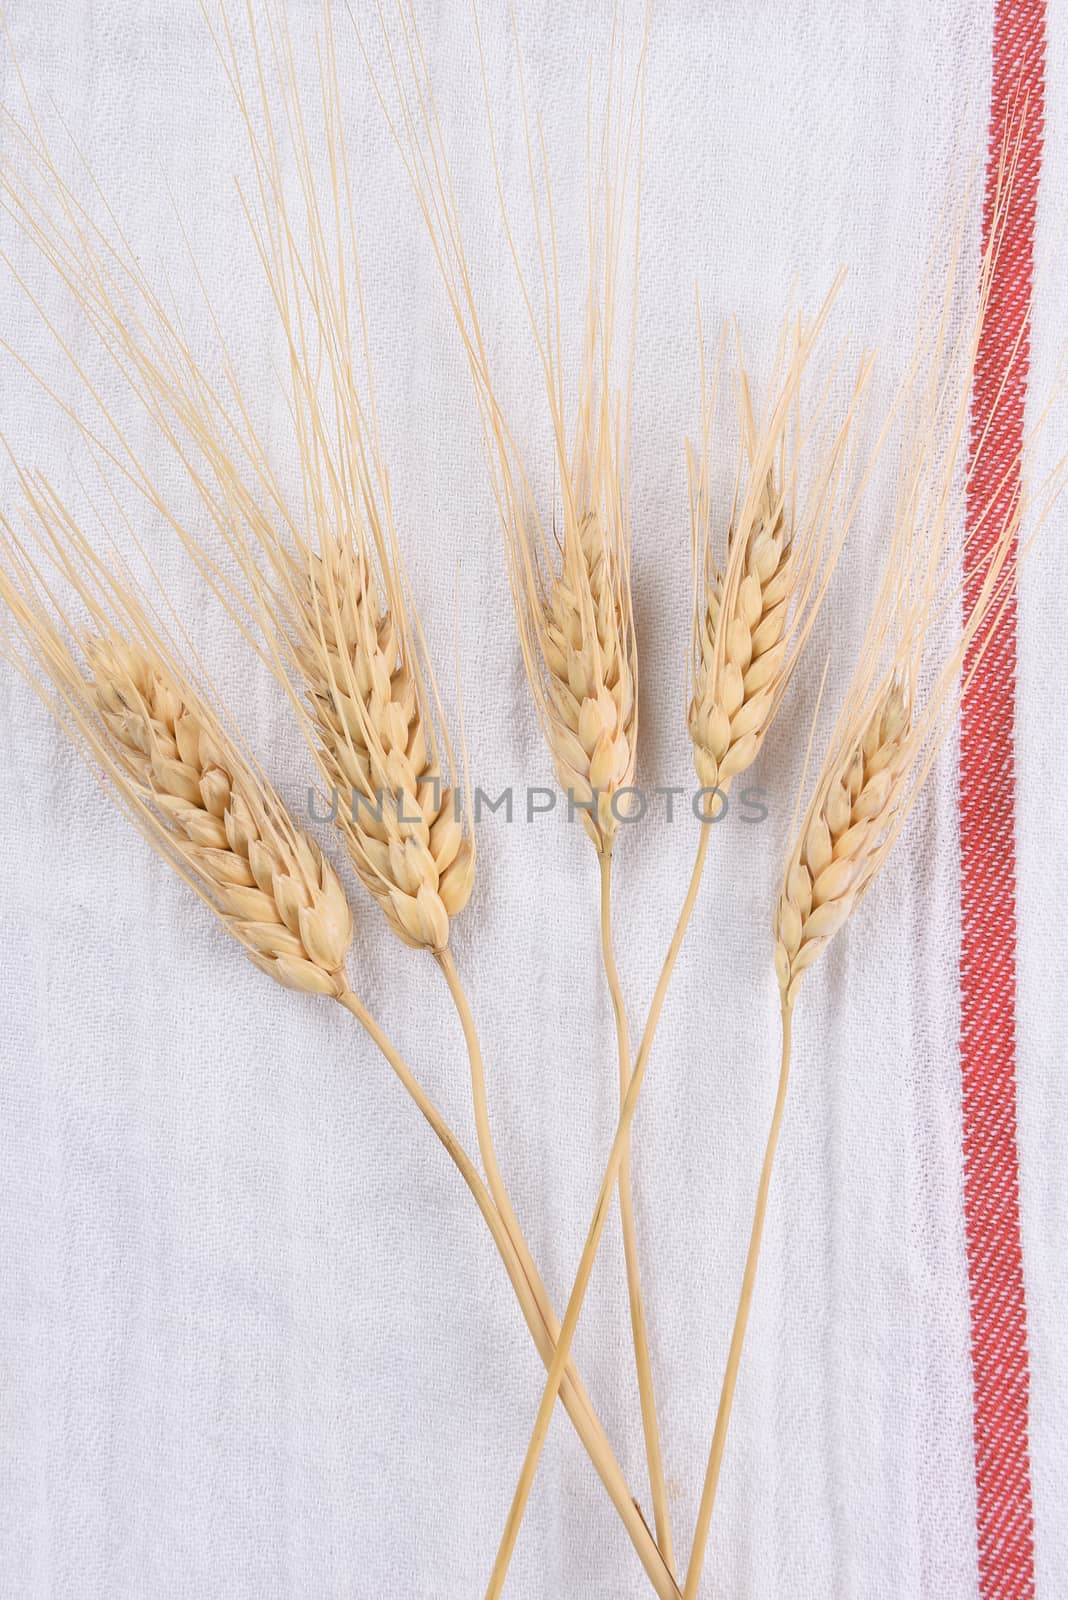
(254, 1340)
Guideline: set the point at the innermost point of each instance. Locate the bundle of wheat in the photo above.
(316, 581)
(898, 708)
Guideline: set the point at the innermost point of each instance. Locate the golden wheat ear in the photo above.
(117, 690)
(834, 858)
(578, 645)
(401, 820)
(754, 612)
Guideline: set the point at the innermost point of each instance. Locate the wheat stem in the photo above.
(500, 1195)
(642, 1362)
(483, 1131)
(543, 1329)
(593, 1237)
(741, 1321)
(441, 1129)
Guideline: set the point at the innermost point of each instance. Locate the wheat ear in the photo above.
(834, 860)
(753, 615)
(339, 596)
(403, 824)
(276, 892)
(571, 581)
(117, 690)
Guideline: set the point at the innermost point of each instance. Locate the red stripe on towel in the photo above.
(1005, 1524)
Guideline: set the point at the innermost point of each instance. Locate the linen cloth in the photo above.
(255, 1342)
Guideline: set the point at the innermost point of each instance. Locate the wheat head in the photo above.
(741, 647)
(577, 640)
(336, 589)
(752, 616)
(114, 685)
(271, 885)
(402, 821)
(837, 851)
(587, 649)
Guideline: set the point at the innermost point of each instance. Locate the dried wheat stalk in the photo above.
(571, 582)
(337, 593)
(904, 693)
(571, 589)
(897, 711)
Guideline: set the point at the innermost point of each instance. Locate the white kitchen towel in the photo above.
(255, 1343)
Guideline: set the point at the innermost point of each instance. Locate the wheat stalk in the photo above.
(338, 599)
(900, 704)
(571, 584)
(571, 592)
